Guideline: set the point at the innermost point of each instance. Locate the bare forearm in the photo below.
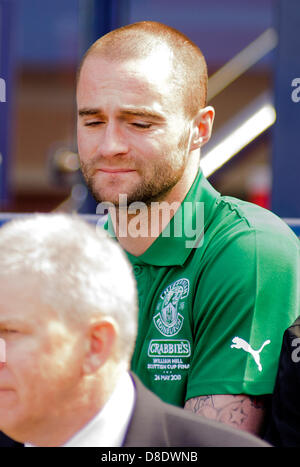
(240, 411)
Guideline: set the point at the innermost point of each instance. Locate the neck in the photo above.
(137, 229)
(62, 425)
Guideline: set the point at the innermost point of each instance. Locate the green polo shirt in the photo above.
(213, 306)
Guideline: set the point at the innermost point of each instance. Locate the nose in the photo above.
(2, 353)
(113, 141)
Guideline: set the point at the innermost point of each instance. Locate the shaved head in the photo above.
(152, 40)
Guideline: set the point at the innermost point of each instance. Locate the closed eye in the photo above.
(93, 123)
(142, 125)
(8, 331)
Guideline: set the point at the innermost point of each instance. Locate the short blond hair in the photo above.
(139, 40)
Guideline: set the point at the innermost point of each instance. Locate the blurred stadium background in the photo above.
(252, 50)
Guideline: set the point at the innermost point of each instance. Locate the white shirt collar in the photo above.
(108, 428)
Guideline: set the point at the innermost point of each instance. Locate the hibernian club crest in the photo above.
(168, 320)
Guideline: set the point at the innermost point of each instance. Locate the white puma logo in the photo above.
(239, 343)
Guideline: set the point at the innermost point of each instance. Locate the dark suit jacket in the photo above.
(156, 424)
(284, 427)
(6, 442)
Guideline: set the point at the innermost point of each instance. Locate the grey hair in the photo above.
(80, 272)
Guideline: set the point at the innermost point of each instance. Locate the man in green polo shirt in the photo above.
(218, 278)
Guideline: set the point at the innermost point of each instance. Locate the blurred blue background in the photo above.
(42, 42)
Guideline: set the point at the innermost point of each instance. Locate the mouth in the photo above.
(115, 171)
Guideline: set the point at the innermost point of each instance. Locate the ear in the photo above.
(203, 124)
(101, 344)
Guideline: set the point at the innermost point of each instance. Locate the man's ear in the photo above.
(203, 124)
(101, 344)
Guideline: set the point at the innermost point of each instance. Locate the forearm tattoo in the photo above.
(240, 411)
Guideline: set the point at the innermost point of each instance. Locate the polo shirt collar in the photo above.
(173, 247)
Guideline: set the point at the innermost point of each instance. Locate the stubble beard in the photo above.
(154, 186)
